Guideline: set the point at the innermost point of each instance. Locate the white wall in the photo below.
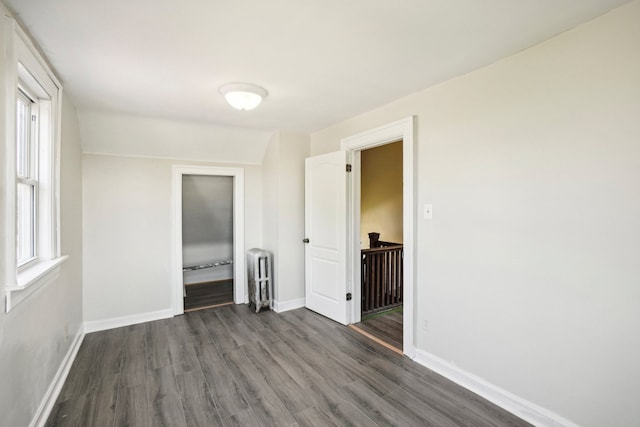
(131, 135)
(127, 233)
(36, 335)
(294, 148)
(207, 226)
(270, 211)
(283, 184)
(528, 274)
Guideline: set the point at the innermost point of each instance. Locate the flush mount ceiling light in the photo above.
(243, 96)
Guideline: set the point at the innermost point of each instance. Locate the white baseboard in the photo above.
(118, 322)
(518, 406)
(50, 397)
(280, 306)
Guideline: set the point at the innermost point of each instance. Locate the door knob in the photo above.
(305, 240)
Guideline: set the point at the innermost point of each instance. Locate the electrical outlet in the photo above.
(425, 326)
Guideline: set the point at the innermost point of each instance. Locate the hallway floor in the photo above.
(386, 326)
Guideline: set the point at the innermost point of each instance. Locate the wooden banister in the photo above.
(381, 277)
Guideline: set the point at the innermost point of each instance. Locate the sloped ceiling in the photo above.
(321, 61)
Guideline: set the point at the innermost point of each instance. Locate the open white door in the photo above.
(326, 235)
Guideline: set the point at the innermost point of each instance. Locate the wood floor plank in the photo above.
(156, 343)
(378, 383)
(259, 329)
(180, 327)
(168, 411)
(293, 396)
(229, 315)
(300, 328)
(99, 409)
(379, 409)
(272, 321)
(109, 355)
(79, 377)
(351, 369)
(258, 322)
(443, 395)
(133, 408)
(301, 372)
(134, 355)
(66, 413)
(424, 410)
(317, 322)
(223, 388)
(161, 382)
(342, 411)
(264, 400)
(312, 351)
(198, 405)
(230, 366)
(349, 415)
(220, 335)
(196, 324)
(246, 418)
(184, 356)
(241, 333)
(313, 417)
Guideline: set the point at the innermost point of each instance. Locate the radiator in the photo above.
(259, 265)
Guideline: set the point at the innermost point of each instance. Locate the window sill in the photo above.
(32, 279)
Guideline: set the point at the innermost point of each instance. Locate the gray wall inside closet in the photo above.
(207, 226)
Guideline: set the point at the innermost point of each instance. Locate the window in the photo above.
(26, 178)
(32, 244)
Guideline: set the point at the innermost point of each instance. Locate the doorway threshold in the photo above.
(208, 306)
(376, 339)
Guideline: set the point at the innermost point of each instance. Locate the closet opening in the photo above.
(207, 241)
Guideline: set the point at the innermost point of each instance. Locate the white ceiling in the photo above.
(321, 61)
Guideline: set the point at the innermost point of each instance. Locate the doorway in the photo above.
(381, 243)
(207, 241)
(332, 228)
(401, 130)
(208, 229)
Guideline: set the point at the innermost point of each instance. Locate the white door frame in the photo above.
(239, 262)
(392, 132)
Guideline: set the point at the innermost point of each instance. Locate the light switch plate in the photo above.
(428, 211)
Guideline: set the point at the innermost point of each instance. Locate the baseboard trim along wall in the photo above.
(133, 319)
(50, 397)
(518, 406)
(280, 306)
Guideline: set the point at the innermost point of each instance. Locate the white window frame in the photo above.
(30, 175)
(26, 68)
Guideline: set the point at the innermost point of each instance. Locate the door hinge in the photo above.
(348, 167)
(348, 296)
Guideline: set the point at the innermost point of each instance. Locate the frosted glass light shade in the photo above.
(243, 96)
(243, 100)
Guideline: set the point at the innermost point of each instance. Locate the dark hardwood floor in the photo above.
(208, 293)
(230, 366)
(384, 326)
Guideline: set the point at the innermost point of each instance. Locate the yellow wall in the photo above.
(381, 193)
